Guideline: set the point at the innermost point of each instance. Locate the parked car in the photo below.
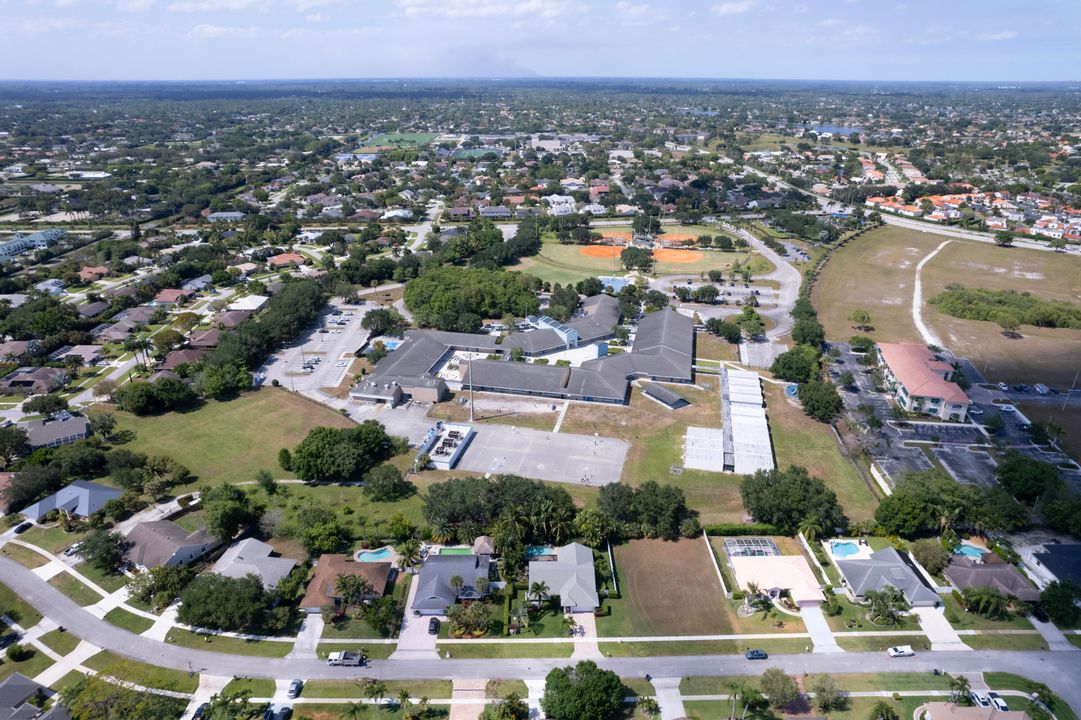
(979, 699)
(294, 689)
(756, 655)
(998, 702)
(1007, 408)
(1003, 387)
(73, 549)
(975, 410)
(284, 713)
(8, 639)
(901, 651)
(1040, 614)
(200, 712)
(433, 626)
(20, 529)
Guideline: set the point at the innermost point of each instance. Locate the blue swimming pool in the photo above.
(391, 344)
(968, 550)
(539, 551)
(616, 283)
(374, 555)
(843, 548)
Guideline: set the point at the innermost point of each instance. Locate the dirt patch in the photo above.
(649, 569)
(600, 251)
(677, 256)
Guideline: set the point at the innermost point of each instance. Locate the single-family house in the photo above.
(90, 273)
(497, 212)
(882, 568)
(231, 319)
(92, 310)
(56, 431)
(322, 588)
(253, 303)
(570, 575)
(285, 260)
(205, 339)
(197, 284)
(81, 499)
(778, 574)
(1062, 561)
(253, 557)
(50, 287)
(23, 699)
(171, 297)
(14, 349)
(176, 358)
(989, 570)
(225, 216)
(921, 383)
(163, 542)
(34, 380)
(88, 355)
(435, 594)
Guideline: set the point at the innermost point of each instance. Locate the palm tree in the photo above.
(735, 691)
(354, 711)
(409, 555)
(538, 591)
(457, 583)
(887, 605)
(960, 686)
(811, 527)
(375, 689)
(443, 531)
(403, 698)
(561, 526)
(136, 344)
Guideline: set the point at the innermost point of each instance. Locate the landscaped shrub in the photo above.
(740, 529)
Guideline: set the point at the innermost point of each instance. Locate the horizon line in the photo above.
(534, 78)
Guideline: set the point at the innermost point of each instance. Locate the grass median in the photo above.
(227, 644)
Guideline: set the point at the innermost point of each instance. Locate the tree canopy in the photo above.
(340, 454)
(785, 498)
(583, 692)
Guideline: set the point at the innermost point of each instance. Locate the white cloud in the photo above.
(219, 32)
(316, 17)
(489, 8)
(211, 5)
(631, 11)
(995, 37)
(732, 7)
(134, 6)
(66, 3)
(306, 5)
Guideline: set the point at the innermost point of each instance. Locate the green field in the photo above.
(24, 556)
(480, 649)
(403, 140)
(258, 687)
(885, 260)
(33, 663)
(60, 643)
(229, 441)
(350, 689)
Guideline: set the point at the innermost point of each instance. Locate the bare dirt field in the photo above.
(600, 251)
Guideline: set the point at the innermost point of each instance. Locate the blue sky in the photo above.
(252, 39)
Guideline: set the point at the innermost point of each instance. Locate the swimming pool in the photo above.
(539, 551)
(391, 344)
(374, 555)
(968, 550)
(843, 548)
(455, 551)
(616, 283)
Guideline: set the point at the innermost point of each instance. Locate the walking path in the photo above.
(562, 414)
(669, 698)
(928, 335)
(72, 661)
(209, 685)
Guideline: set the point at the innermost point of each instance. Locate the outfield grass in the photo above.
(800, 440)
(129, 621)
(75, 589)
(33, 663)
(17, 609)
(141, 673)
(656, 435)
(258, 687)
(226, 644)
(24, 556)
(60, 643)
(230, 441)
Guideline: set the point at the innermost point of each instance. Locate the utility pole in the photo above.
(1070, 391)
(470, 368)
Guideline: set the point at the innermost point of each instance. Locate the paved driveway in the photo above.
(414, 640)
(559, 457)
(821, 635)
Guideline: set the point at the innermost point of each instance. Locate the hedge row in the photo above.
(737, 529)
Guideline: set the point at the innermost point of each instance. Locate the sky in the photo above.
(988, 40)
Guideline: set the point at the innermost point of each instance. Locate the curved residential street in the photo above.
(789, 278)
(1058, 670)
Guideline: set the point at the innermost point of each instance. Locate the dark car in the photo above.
(756, 655)
(9, 639)
(433, 626)
(1040, 614)
(294, 689)
(200, 712)
(284, 713)
(23, 528)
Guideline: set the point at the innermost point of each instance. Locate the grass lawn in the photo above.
(229, 441)
(869, 643)
(258, 687)
(110, 582)
(1069, 419)
(226, 644)
(17, 609)
(53, 538)
(141, 673)
(646, 572)
(1033, 641)
(711, 347)
(349, 629)
(490, 412)
(351, 689)
(374, 651)
(67, 681)
(800, 440)
(851, 682)
(656, 439)
(33, 663)
(75, 589)
(128, 620)
(335, 711)
(1009, 681)
(853, 618)
(704, 647)
(60, 643)
(482, 649)
(502, 688)
(1075, 640)
(24, 556)
(972, 621)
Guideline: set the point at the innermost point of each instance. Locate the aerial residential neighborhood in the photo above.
(527, 379)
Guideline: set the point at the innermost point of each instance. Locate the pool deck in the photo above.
(863, 551)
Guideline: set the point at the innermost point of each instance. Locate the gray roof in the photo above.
(990, 571)
(93, 309)
(1063, 560)
(80, 498)
(156, 542)
(252, 557)
(669, 397)
(571, 576)
(886, 567)
(433, 584)
(549, 380)
(15, 690)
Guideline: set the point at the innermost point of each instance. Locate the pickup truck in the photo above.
(352, 659)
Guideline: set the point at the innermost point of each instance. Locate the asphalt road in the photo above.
(1057, 670)
(789, 278)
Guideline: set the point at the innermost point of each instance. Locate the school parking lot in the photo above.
(327, 347)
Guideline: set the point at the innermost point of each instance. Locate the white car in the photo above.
(901, 651)
(340, 364)
(975, 410)
(979, 699)
(998, 702)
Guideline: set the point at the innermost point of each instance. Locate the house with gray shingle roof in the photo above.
(252, 557)
(885, 567)
(81, 498)
(434, 591)
(570, 576)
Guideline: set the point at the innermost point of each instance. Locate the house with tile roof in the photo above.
(921, 383)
